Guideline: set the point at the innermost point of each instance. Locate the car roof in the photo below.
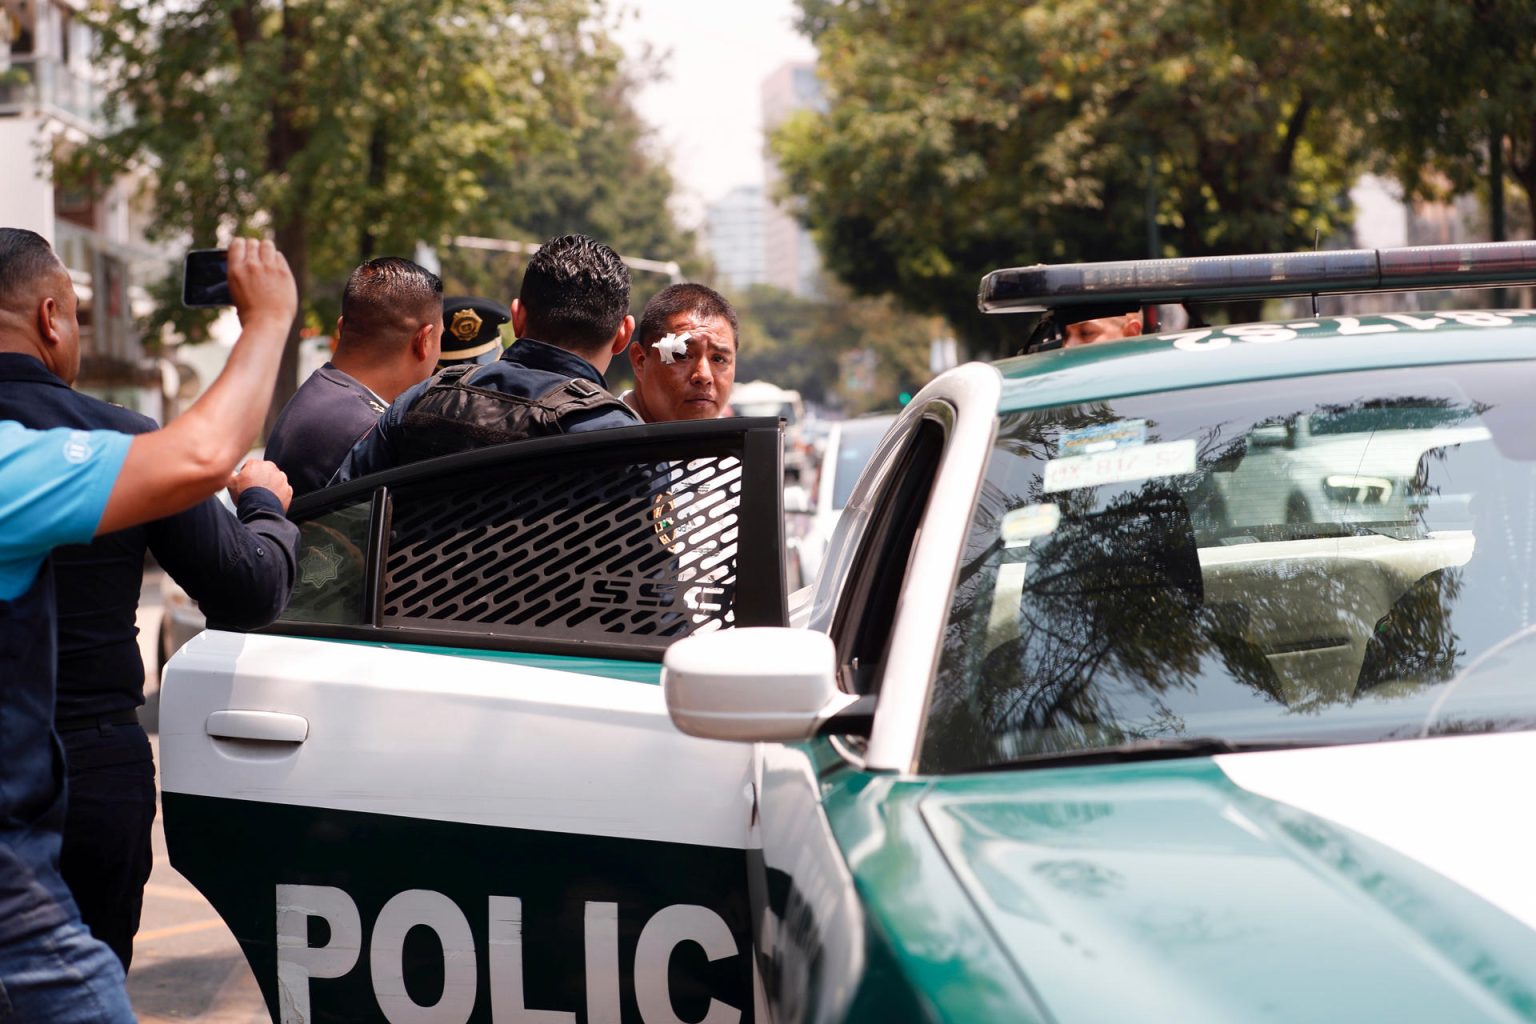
(1298, 347)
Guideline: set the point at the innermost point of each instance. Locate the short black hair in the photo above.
(24, 257)
(386, 295)
(702, 302)
(576, 292)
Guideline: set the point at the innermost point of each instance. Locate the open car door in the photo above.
(445, 787)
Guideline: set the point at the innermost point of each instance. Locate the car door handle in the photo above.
(263, 726)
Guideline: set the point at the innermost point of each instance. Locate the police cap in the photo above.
(471, 329)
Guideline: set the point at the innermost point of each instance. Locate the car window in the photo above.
(867, 609)
(856, 443)
(1339, 558)
(329, 584)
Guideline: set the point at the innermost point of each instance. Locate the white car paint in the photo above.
(1456, 804)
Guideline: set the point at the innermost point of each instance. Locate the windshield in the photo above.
(856, 443)
(1341, 558)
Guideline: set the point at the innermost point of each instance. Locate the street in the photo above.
(186, 965)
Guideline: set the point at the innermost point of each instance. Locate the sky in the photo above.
(706, 113)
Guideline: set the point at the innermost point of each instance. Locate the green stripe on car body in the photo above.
(627, 671)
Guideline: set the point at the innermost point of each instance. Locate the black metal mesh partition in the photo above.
(587, 550)
(613, 542)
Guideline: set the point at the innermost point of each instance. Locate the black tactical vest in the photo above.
(454, 416)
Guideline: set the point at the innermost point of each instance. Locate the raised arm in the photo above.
(176, 467)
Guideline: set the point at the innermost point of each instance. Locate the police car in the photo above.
(1179, 678)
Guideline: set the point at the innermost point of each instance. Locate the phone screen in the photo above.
(205, 278)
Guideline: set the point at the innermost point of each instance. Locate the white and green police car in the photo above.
(1181, 678)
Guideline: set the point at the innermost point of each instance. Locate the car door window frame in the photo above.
(759, 597)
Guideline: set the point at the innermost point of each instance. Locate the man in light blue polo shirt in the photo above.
(66, 486)
(54, 486)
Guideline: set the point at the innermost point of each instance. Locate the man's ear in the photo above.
(625, 332)
(336, 338)
(1133, 324)
(637, 359)
(48, 321)
(519, 318)
(421, 343)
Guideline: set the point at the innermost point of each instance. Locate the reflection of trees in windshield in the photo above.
(1112, 609)
(1153, 604)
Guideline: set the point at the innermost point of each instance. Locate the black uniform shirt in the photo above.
(319, 425)
(528, 368)
(239, 571)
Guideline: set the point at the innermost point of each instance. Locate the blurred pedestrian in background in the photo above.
(387, 339)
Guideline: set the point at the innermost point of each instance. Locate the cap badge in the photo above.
(465, 324)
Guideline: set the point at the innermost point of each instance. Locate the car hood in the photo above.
(1391, 881)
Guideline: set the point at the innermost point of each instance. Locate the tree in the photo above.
(608, 184)
(346, 128)
(1452, 83)
(801, 344)
(960, 139)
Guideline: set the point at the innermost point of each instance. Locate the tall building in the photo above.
(791, 260)
(49, 102)
(733, 235)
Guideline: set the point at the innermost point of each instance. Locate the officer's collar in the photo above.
(18, 366)
(541, 355)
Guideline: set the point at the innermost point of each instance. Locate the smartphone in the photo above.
(205, 278)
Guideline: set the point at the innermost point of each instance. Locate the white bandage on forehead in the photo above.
(672, 346)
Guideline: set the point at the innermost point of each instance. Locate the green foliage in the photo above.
(607, 184)
(1446, 78)
(345, 128)
(973, 135)
(803, 344)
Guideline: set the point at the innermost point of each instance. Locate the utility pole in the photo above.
(670, 268)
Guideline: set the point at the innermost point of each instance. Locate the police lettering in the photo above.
(298, 961)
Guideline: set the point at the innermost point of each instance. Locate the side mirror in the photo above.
(763, 684)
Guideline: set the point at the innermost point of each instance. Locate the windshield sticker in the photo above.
(1175, 458)
(1102, 437)
(1022, 525)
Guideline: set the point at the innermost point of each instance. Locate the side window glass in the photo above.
(867, 611)
(328, 583)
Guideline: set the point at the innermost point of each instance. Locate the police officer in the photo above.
(387, 339)
(471, 330)
(240, 570)
(571, 317)
(65, 486)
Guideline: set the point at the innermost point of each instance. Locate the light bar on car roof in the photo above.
(1272, 275)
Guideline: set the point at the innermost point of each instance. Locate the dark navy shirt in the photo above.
(526, 369)
(319, 425)
(239, 570)
(54, 486)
